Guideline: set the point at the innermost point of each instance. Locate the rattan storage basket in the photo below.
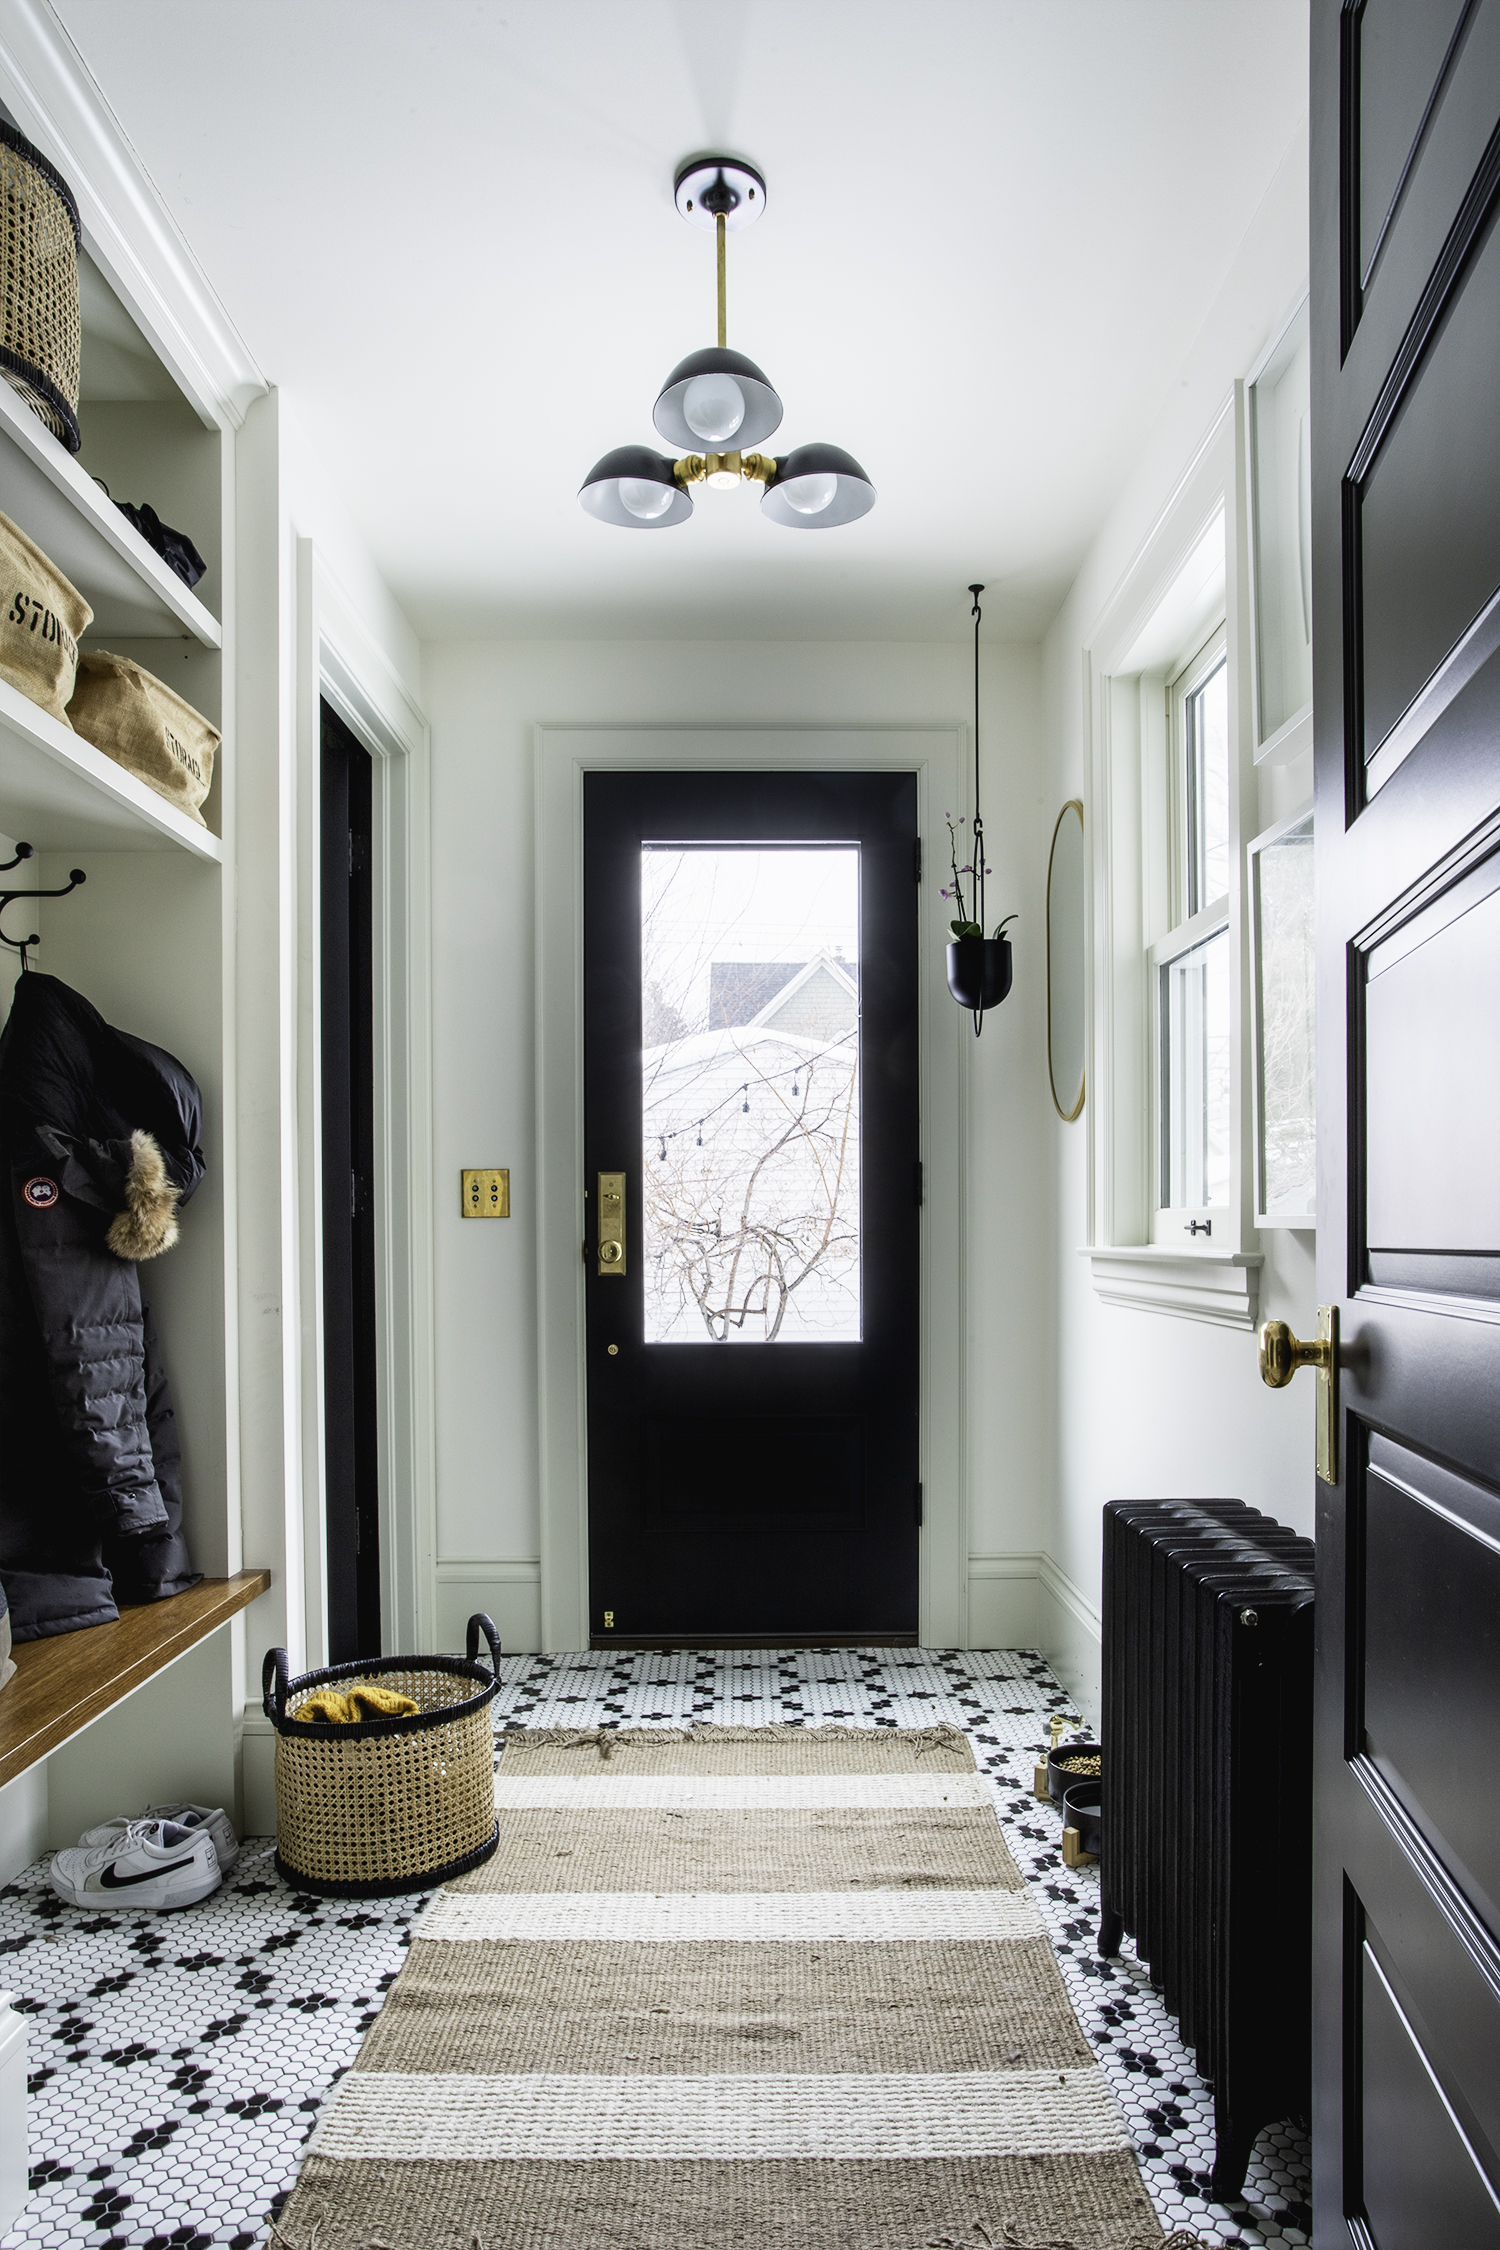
(388, 1805)
(41, 331)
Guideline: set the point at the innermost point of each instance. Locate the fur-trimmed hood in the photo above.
(148, 1223)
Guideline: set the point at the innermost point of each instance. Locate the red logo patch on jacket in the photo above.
(41, 1193)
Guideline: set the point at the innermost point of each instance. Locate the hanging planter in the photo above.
(979, 971)
(979, 967)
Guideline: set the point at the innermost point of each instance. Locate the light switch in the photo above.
(486, 1195)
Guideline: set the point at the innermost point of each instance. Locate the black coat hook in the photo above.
(7, 898)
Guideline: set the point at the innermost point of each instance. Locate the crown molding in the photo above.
(127, 229)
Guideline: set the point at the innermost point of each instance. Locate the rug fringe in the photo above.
(980, 2238)
(606, 1740)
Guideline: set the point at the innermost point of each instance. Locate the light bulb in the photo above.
(645, 498)
(810, 495)
(713, 407)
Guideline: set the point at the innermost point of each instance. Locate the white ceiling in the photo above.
(992, 230)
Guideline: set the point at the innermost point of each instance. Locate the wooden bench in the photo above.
(65, 1681)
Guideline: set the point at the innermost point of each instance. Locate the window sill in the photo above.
(1221, 1287)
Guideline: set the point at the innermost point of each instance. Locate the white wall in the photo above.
(1150, 1406)
(482, 700)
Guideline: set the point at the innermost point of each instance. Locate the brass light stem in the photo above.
(723, 320)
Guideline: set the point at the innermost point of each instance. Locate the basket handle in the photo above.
(478, 1624)
(274, 1666)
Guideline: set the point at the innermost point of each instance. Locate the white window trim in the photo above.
(1142, 627)
(1170, 1221)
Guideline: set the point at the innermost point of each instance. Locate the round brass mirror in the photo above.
(1066, 876)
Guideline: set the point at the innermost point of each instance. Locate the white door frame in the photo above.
(338, 661)
(564, 754)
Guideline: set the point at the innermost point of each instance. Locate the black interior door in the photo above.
(1406, 438)
(750, 1025)
(351, 1453)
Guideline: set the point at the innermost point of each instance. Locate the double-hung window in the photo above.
(1191, 965)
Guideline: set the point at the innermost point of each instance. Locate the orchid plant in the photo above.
(964, 925)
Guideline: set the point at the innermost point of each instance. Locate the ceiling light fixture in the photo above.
(720, 400)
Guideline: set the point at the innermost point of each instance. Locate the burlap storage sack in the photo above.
(41, 617)
(145, 726)
(41, 332)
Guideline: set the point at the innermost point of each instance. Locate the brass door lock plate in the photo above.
(611, 1255)
(485, 1195)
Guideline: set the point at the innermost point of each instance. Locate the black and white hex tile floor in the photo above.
(179, 2061)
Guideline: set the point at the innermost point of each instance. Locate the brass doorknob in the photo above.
(1282, 1353)
(610, 1254)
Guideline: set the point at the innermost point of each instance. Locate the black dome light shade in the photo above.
(635, 488)
(816, 487)
(716, 400)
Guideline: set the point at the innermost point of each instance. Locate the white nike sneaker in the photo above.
(212, 1817)
(155, 1863)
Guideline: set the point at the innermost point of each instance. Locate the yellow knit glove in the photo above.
(326, 1705)
(367, 1701)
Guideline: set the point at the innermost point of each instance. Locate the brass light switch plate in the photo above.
(611, 1223)
(486, 1195)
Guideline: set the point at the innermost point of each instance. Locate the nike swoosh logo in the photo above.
(110, 1881)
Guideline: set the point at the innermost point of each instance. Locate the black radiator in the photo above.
(1207, 1848)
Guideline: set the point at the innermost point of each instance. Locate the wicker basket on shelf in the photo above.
(41, 329)
(386, 1805)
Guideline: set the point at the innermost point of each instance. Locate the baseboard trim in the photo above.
(1071, 1598)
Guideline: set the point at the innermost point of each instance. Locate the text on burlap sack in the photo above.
(42, 621)
(182, 754)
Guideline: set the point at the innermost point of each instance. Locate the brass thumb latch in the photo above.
(1282, 1353)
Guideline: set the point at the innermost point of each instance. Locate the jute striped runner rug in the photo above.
(779, 1988)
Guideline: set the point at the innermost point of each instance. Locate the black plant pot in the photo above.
(979, 971)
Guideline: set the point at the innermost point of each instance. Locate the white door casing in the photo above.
(564, 754)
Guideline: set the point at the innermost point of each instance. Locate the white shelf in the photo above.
(56, 502)
(61, 794)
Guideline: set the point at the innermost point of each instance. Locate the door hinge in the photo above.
(919, 1507)
(354, 1195)
(921, 1198)
(916, 856)
(358, 854)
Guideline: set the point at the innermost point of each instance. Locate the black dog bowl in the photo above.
(1058, 1776)
(1081, 1810)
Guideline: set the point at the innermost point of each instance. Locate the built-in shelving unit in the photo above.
(61, 794)
(48, 492)
(149, 939)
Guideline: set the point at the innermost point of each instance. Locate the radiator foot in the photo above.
(1111, 1930)
(1232, 2147)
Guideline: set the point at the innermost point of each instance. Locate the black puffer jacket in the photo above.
(99, 1143)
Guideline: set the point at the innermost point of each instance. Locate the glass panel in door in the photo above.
(750, 1113)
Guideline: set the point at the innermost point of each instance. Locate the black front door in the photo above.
(1406, 438)
(752, 1185)
(351, 1463)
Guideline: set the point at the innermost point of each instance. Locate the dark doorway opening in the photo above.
(350, 1420)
